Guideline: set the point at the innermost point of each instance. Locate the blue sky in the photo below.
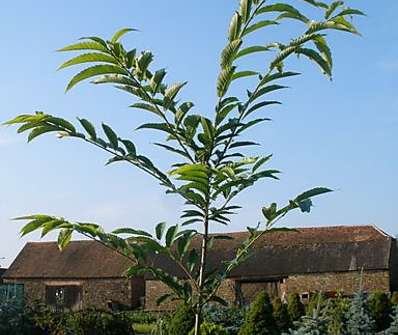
(340, 134)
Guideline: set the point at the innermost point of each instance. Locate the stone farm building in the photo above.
(327, 259)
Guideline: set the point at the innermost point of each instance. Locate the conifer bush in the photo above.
(295, 307)
(259, 319)
(281, 315)
(380, 309)
(360, 321)
(393, 329)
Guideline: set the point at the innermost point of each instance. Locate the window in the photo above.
(62, 298)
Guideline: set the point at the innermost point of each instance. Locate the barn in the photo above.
(305, 260)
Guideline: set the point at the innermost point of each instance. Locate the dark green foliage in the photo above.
(338, 310)
(393, 329)
(259, 319)
(359, 320)
(182, 321)
(15, 319)
(394, 298)
(295, 307)
(380, 309)
(230, 318)
(99, 323)
(210, 329)
(281, 315)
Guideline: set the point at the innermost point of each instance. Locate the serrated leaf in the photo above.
(258, 25)
(85, 46)
(94, 71)
(284, 8)
(89, 128)
(251, 50)
(120, 33)
(317, 58)
(64, 238)
(111, 135)
(242, 144)
(260, 105)
(89, 58)
(234, 27)
(245, 9)
(147, 107)
(160, 228)
(157, 79)
(41, 130)
(333, 6)
(131, 231)
(224, 80)
(312, 193)
(130, 147)
(243, 74)
(229, 53)
(171, 234)
(173, 90)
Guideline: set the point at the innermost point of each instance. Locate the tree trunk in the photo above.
(198, 312)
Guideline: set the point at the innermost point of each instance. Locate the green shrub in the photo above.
(315, 299)
(15, 319)
(141, 317)
(359, 320)
(281, 315)
(295, 307)
(338, 310)
(230, 318)
(210, 329)
(182, 321)
(259, 319)
(380, 309)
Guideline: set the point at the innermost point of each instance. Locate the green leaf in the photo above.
(350, 11)
(333, 6)
(131, 231)
(245, 9)
(322, 46)
(157, 79)
(251, 50)
(64, 238)
(130, 147)
(312, 193)
(89, 58)
(243, 74)
(260, 163)
(260, 105)
(258, 25)
(89, 128)
(85, 46)
(284, 8)
(224, 80)
(317, 58)
(234, 27)
(147, 107)
(265, 90)
(157, 126)
(41, 130)
(173, 90)
(242, 144)
(171, 234)
(111, 135)
(120, 33)
(160, 228)
(93, 71)
(229, 53)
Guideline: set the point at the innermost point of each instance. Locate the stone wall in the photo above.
(95, 292)
(234, 291)
(348, 282)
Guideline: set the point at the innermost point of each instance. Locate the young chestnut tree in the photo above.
(212, 168)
